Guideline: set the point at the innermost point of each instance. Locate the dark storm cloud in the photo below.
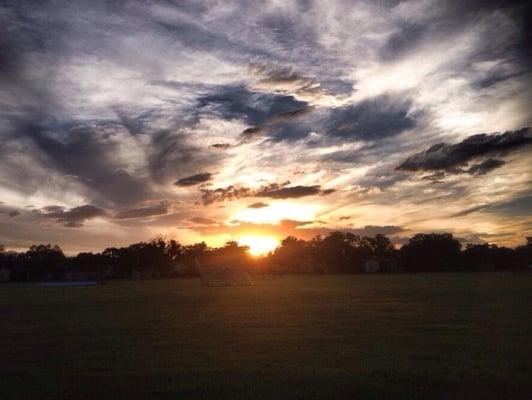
(481, 168)
(273, 191)
(142, 212)
(135, 125)
(209, 196)
(96, 155)
(281, 191)
(452, 157)
(485, 166)
(291, 115)
(287, 131)
(221, 145)
(370, 120)
(194, 179)
(88, 154)
(250, 134)
(292, 192)
(73, 217)
(277, 130)
(259, 204)
(270, 115)
(237, 102)
(175, 154)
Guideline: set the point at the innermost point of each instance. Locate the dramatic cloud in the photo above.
(273, 191)
(452, 157)
(485, 166)
(148, 211)
(131, 118)
(74, 217)
(92, 155)
(371, 119)
(255, 108)
(194, 179)
(221, 145)
(209, 196)
(259, 204)
(293, 192)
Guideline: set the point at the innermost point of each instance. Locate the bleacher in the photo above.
(224, 276)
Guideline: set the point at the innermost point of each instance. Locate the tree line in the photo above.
(338, 252)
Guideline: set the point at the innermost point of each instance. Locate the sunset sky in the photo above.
(225, 120)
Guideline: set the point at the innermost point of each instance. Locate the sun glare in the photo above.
(259, 245)
(274, 213)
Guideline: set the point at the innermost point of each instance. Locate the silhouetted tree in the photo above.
(44, 261)
(193, 256)
(335, 251)
(431, 252)
(489, 257)
(338, 252)
(290, 256)
(523, 254)
(477, 257)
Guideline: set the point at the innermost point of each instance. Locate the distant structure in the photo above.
(371, 266)
(220, 270)
(180, 269)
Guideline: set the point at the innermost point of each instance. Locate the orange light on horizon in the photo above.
(259, 245)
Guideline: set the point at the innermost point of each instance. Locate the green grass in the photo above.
(443, 336)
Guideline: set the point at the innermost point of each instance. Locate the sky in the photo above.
(223, 120)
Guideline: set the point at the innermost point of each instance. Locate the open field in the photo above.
(420, 336)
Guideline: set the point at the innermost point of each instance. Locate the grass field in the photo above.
(424, 336)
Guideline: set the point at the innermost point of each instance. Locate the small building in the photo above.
(180, 269)
(371, 266)
(224, 270)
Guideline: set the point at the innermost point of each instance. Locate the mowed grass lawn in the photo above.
(424, 336)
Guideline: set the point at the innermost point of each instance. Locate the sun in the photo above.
(259, 245)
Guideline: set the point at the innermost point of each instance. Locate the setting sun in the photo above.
(259, 245)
